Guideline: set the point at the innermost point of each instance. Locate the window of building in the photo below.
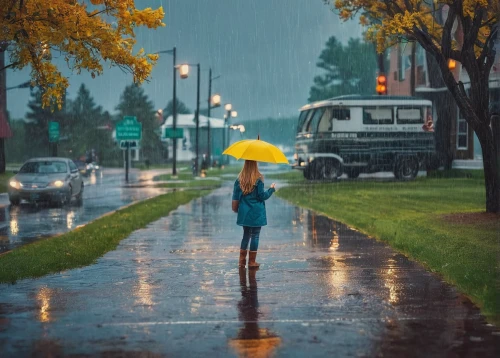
(377, 115)
(462, 133)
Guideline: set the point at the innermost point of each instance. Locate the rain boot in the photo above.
(251, 259)
(243, 258)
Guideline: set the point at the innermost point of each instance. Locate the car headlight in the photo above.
(57, 183)
(15, 184)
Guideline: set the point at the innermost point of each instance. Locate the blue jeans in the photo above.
(252, 234)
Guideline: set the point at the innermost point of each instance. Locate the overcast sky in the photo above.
(264, 50)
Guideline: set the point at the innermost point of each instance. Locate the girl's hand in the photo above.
(273, 185)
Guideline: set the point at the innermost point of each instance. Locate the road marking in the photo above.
(304, 322)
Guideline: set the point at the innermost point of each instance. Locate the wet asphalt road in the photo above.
(173, 289)
(105, 191)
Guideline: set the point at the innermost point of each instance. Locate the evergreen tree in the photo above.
(181, 108)
(37, 129)
(133, 102)
(349, 69)
(87, 127)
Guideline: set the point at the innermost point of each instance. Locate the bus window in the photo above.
(409, 115)
(313, 122)
(307, 121)
(325, 123)
(302, 119)
(341, 114)
(377, 115)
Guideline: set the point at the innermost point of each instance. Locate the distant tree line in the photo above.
(85, 126)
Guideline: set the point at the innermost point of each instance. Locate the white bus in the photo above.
(365, 134)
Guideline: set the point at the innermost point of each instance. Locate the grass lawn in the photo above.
(83, 246)
(438, 221)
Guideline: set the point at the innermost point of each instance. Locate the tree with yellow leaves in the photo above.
(462, 30)
(85, 33)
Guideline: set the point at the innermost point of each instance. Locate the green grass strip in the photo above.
(83, 246)
(413, 217)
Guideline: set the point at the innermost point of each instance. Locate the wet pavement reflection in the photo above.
(105, 191)
(252, 340)
(174, 289)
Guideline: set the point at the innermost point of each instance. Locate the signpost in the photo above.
(128, 130)
(54, 136)
(170, 133)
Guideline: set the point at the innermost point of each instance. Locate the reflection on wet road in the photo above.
(174, 289)
(104, 192)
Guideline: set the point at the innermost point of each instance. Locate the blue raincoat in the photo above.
(252, 208)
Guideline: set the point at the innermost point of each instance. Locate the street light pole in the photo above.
(174, 116)
(209, 149)
(212, 103)
(173, 52)
(197, 118)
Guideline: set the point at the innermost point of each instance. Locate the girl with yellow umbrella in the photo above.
(249, 195)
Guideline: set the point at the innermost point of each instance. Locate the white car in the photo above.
(54, 180)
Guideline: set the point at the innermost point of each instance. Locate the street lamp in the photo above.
(229, 113)
(174, 109)
(213, 102)
(238, 127)
(184, 71)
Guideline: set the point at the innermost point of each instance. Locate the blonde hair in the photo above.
(248, 176)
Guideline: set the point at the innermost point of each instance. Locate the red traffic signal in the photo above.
(381, 84)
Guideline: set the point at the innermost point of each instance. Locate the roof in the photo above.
(188, 121)
(373, 97)
(356, 99)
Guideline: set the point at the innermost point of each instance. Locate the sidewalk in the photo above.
(174, 289)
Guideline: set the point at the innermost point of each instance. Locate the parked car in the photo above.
(54, 180)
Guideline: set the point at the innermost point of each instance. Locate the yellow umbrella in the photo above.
(256, 149)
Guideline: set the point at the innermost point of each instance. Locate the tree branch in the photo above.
(447, 27)
(471, 35)
(13, 64)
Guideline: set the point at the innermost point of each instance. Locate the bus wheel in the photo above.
(327, 169)
(406, 167)
(307, 173)
(353, 173)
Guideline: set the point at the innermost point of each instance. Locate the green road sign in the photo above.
(53, 132)
(128, 129)
(170, 133)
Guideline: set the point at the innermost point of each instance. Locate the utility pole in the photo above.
(413, 67)
(209, 144)
(197, 119)
(174, 116)
(5, 131)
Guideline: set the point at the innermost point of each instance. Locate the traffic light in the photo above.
(381, 84)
